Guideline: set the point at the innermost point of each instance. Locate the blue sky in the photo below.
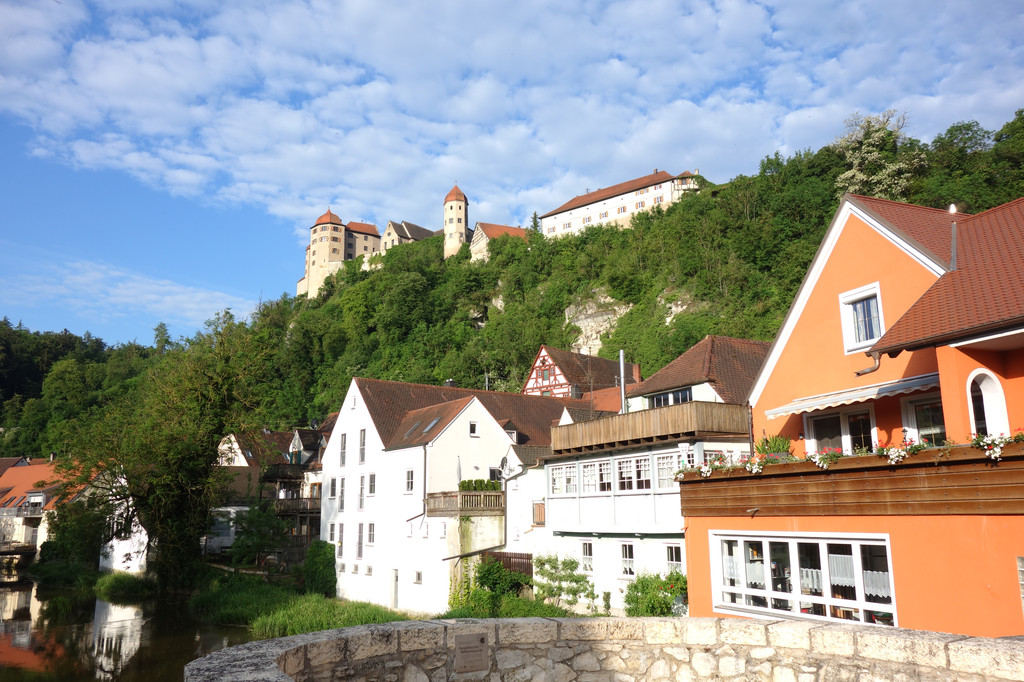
(162, 160)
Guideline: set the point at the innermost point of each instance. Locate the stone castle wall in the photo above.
(619, 649)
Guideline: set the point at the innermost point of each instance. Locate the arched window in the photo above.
(987, 404)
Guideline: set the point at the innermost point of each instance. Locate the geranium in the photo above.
(826, 457)
(992, 445)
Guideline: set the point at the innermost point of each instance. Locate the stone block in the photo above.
(992, 657)
(662, 631)
(625, 628)
(511, 658)
(700, 631)
(783, 674)
(679, 653)
(745, 631)
(659, 670)
(416, 635)
(562, 673)
(292, 661)
(325, 654)
(367, 641)
(413, 674)
(586, 662)
(761, 653)
(904, 646)
(588, 629)
(834, 640)
(791, 634)
(527, 631)
(704, 664)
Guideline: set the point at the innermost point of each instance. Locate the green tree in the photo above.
(560, 580)
(319, 572)
(881, 160)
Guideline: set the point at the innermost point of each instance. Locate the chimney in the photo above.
(952, 244)
(449, 383)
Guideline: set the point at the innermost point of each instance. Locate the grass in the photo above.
(506, 606)
(314, 612)
(124, 588)
(239, 600)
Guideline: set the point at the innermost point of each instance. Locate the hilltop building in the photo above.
(455, 221)
(483, 233)
(331, 242)
(617, 204)
(403, 232)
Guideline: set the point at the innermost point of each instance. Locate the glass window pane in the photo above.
(828, 432)
(780, 567)
(875, 565)
(860, 430)
(842, 581)
(931, 427)
(810, 568)
(730, 563)
(753, 551)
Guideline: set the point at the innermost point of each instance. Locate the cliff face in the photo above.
(594, 318)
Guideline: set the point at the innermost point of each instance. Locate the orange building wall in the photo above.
(954, 574)
(956, 365)
(814, 360)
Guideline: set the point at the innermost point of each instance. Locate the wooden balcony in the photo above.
(466, 503)
(659, 425)
(297, 504)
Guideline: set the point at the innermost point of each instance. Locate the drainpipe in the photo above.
(622, 381)
(868, 370)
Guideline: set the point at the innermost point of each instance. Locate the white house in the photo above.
(612, 498)
(391, 505)
(616, 205)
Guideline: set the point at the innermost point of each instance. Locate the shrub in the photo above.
(257, 531)
(517, 607)
(238, 600)
(319, 570)
(492, 575)
(125, 588)
(774, 445)
(484, 603)
(652, 595)
(560, 581)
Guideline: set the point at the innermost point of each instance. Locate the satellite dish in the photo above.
(314, 424)
(504, 463)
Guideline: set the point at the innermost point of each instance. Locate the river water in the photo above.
(56, 635)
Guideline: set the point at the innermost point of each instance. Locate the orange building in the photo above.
(909, 327)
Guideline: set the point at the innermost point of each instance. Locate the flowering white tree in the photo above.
(881, 159)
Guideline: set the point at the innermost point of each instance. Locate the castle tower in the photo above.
(455, 221)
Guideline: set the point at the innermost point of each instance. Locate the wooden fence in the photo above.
(513, 561)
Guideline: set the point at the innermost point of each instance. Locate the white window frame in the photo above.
(587, 556)
(362, 446)
(811, 443)
(628, 571)
(341, 455)
(907, 405)
(330, 532)
(666, 465)
(362, 492)
(341, 542)
(341, 494)
(410, 481)
(846, 316)
(795, 596)
(371, 486)
(371, 533)
(359, 545)
(473, 432)
(588, 478)
(670, 564)
(563, 480)
(334, 487)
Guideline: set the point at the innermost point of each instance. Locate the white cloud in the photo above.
(376, 110)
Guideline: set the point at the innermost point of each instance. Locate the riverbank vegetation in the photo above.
(141, 423)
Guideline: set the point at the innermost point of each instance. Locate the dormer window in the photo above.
(861, 316)
(513, 434)
(680, 395)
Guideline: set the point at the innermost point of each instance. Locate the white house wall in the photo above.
(455, 449)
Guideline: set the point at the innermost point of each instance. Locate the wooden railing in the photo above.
(297, 504)
(660, 424)
(466, 502)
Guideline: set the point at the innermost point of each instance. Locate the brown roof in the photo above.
(455, 194)
(363, 228)
(590, 372)
(927, 229)
(613, 191)
(390, 401)
(493, 231)
(408, 230)
(984, 294)
(242, 484)
(328, 218)
(259, 450)
(424, 425)
(730, 364)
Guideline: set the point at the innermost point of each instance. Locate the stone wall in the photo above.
(617, 649)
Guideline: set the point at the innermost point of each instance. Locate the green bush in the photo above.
(774, 445)
(653, 595)
(319, 570)
(492, 575)
(125, 588)
(257, 532)
(479, 484)
(559, 580)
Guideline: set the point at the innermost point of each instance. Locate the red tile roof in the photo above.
(455, 194)
(928, 229)
(328, 218)
(613, 191)
(493, 231)
(419, 427)
(589, 372)
(605, 399)
(363, 228)
(19, 480)
(984, 294)
(390, 401)
(729, 364)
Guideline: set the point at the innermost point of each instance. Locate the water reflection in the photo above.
(70, 636)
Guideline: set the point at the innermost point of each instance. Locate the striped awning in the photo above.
(855, 395)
